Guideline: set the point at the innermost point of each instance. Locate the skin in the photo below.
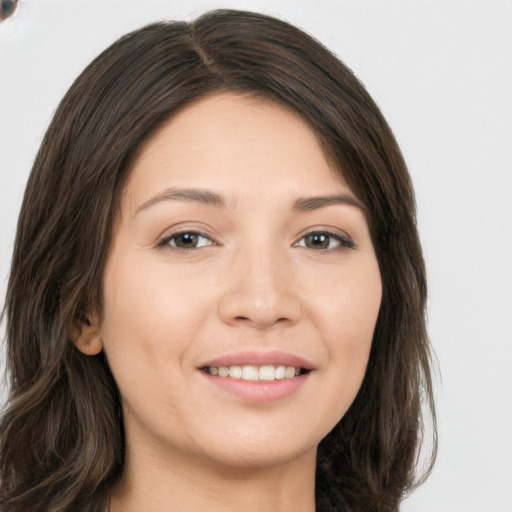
(252, 283)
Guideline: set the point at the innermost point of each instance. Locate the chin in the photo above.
(250, 451)
(263, 459)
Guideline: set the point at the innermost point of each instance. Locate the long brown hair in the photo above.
(61, 437)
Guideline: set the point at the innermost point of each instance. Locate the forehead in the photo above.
(235, 143)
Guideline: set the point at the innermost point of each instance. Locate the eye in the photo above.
(323, 240)
(186, 240)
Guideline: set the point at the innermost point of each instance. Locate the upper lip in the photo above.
(256, 358)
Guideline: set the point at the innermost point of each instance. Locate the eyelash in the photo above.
(344, 242)
(165, 242)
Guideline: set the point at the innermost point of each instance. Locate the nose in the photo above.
(260, 291)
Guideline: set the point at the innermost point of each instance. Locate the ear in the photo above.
(85, 334)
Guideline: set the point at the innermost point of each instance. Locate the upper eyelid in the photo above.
(345, 240)
(194, 231)
(166, 238)
(336, 232)
(172, 232)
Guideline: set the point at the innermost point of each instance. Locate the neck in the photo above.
(152, 481)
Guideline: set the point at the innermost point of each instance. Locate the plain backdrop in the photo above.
(441, 71)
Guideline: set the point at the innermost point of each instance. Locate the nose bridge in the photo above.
(259, 286)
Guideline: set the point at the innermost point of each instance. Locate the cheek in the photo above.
(347, 317)
(149, 318)
(349, 309)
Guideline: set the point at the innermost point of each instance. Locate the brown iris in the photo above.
(317, 241)
(186, 240)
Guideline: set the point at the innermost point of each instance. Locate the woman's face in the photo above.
(237, 251)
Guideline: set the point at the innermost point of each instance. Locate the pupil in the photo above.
(186, 240)
(318, 241)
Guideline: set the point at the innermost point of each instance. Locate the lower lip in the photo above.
(258, 391)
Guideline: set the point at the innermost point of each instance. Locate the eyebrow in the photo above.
(211, 198)
(203, 196)
(308, 204)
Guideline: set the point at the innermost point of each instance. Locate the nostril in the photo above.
(260, 322)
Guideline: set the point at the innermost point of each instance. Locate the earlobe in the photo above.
(85, 335)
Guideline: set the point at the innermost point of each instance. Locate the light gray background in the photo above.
(442, 73)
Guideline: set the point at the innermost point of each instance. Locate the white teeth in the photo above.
(289, 372)
(235, 372)
(250, 372)
(280, 371)
(223, 371)
(267, 373)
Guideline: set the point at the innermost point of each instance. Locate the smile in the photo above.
(266, 372)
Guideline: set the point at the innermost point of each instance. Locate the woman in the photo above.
(217, 291)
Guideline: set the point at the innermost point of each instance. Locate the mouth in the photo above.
(267, 372)
(257, 377)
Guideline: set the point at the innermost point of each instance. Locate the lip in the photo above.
(258, 391)
(255, 358)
